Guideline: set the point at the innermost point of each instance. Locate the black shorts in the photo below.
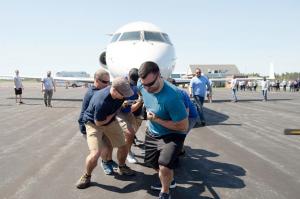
(162, 150)
(18, 91)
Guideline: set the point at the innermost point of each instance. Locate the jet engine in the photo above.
(102, 59)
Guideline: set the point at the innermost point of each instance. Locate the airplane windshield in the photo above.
(115, 37)
(153, 36)
(167, 38)
(130, 36)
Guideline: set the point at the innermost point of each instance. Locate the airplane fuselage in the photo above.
(136, 43)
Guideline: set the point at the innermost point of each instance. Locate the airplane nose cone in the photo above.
(122, 57)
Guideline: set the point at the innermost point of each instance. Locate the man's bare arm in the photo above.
(176, 126)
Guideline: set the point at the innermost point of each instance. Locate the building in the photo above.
(215, 70)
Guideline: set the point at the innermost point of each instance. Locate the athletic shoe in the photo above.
(113, 164)
(130, 158)
(84, 181)
(125, 170)
(164, 196)
(107, 168)
(158, 186)
(182, 152)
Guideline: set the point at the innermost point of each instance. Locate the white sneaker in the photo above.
(131, 159)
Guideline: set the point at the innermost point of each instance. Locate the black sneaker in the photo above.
(158, 186)
(182, 153)
(164, 196)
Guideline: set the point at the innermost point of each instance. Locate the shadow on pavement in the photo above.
(196, 175)
(200, 174)
(216, 118)
(249, 100)
(53, 99)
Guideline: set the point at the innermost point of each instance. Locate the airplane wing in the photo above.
(77, 79)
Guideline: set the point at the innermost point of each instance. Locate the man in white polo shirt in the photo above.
(18, 87)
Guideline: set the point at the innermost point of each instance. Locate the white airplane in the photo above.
(135, 43)
(130, 46)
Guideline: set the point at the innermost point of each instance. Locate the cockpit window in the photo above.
(115, 37)
(153, 36)
(167, 39)
(127, 36)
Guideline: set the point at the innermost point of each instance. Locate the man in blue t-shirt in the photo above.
(99, 119)
(198, 86)
(166, 127)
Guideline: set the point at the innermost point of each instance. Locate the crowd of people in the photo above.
(274, 85)
(111, 115)
(265, 85)
(113, 111)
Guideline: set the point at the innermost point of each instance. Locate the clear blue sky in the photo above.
(37, 36)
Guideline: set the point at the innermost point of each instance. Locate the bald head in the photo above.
(100, 73)
(101, 78)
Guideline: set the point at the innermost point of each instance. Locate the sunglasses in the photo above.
(151, 83)
(103, 81)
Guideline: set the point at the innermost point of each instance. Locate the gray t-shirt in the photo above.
(48, 83)
(18, 82)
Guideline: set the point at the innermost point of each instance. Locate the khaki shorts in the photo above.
(127, 120)
(95, 135)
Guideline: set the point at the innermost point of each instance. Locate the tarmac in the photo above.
(242, 152)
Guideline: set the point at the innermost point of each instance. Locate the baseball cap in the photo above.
(121, 84)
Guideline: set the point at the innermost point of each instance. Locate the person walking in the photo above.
(198, 86)
(48, 86)
(264, 88)
(233, 85)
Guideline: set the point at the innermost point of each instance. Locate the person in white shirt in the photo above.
(284, 84)
(264, 88)
(18, 87)
(48, 86)
(234, 84)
